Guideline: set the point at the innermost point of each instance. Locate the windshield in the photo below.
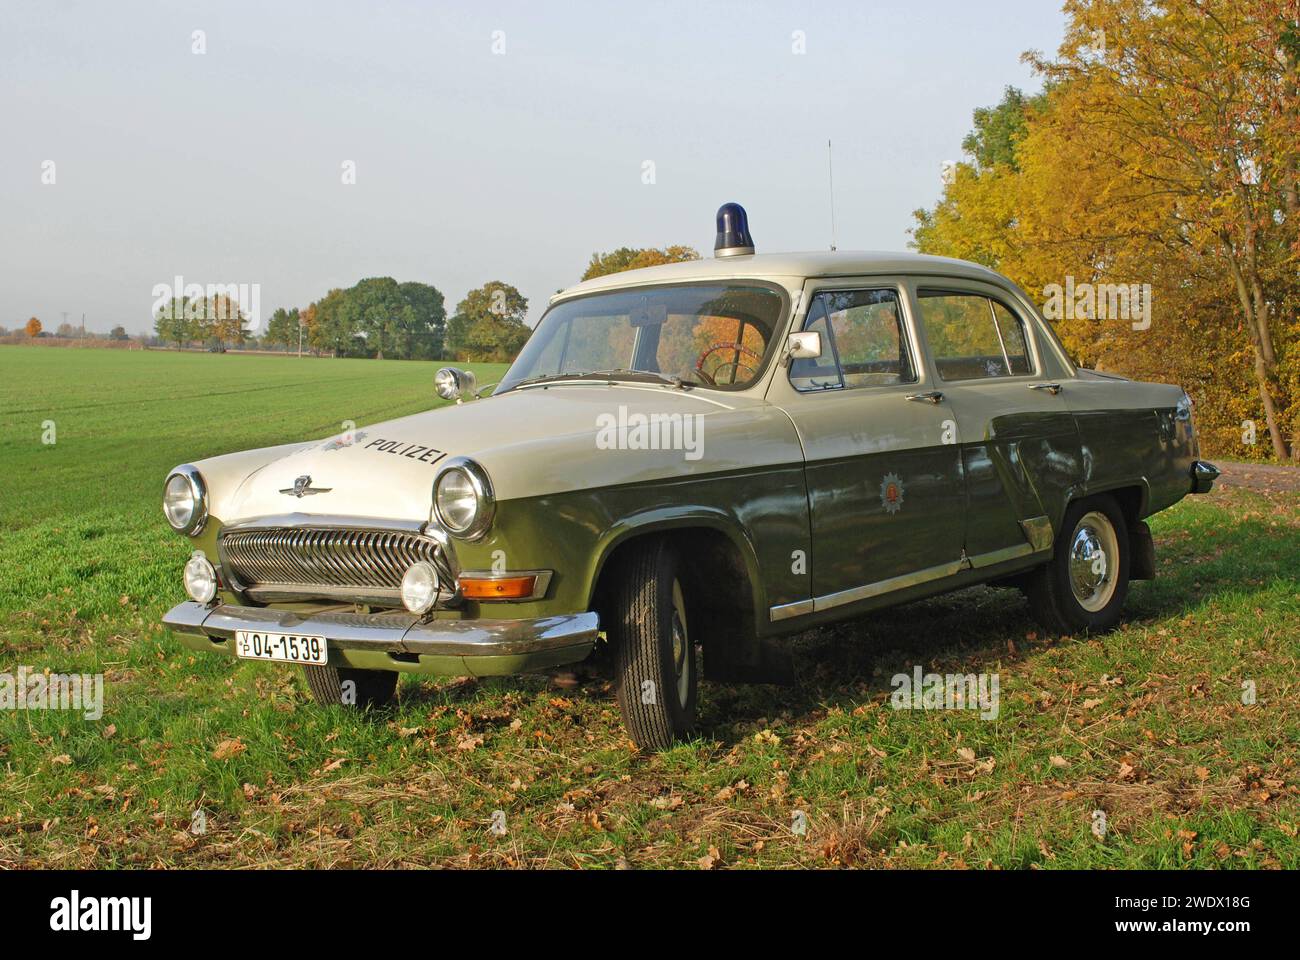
(709, 335)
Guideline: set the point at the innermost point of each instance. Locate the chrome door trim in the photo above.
(999, 556)
(868, 590)
(798, 608)
(784, 611)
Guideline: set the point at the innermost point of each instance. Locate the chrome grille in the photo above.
(281, 562)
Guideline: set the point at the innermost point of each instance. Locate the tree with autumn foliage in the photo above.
(33, 327)
(634, 258)
(1164, 150)
(489, 324)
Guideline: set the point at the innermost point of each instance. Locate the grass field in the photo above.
(1146, 725)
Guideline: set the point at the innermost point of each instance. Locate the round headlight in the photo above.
(463, 500)
(200, 579)
(185, 500)
(451, 383)
(420, 587)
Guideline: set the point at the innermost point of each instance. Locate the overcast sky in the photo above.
(471, 164)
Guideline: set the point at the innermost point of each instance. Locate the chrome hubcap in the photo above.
(1094, 561)
(681, 647)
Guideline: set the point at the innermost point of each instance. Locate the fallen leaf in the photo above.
(229, 748)
(1057, 760)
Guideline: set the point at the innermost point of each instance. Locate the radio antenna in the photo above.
(830, 176)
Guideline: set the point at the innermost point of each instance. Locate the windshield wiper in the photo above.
(620, 373)
(549, 378)
(626, 374)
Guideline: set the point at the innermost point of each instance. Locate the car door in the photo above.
(1019, 443)
(882, 465)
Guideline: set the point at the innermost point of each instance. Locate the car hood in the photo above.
(533, 441)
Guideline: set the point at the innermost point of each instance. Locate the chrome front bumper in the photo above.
(399, 640)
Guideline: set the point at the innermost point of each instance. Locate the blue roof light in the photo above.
(733, 237)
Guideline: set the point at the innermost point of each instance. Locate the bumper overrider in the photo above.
(1203, 476)
(399, 640)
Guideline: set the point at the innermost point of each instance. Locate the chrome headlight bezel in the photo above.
(484, 498)
(198, 496)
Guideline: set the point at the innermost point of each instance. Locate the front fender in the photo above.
(669, 518)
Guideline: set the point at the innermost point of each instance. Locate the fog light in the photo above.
(200, 579)
(420, 587)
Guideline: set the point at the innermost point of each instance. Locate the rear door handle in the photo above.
(1052, 388)
(934, 396)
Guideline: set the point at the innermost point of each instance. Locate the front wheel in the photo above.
(1083, 587)
(347, 687)
(655, 667)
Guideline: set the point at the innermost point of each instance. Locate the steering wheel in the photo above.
(757, 360)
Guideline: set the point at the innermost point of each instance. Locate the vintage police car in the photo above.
(689, 461)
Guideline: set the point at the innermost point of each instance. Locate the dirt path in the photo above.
(1260, 477)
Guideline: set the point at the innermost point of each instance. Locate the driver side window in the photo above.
(863, 342)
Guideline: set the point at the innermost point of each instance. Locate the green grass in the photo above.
(1146, 724)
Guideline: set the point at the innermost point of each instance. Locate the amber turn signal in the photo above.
(498, 588)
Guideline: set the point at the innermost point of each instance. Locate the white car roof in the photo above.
(812, 264)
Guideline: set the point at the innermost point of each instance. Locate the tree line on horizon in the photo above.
(33, 329)
(382, 318)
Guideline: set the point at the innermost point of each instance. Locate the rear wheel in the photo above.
(1083, 587)
(656, 673)
(346, 687)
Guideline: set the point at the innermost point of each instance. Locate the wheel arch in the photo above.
(699, 524)
(725, 594)
(1133, 497)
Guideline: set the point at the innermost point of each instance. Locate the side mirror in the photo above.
(806, 345)
(452, 383)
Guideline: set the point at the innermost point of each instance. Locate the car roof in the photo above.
(820, 263)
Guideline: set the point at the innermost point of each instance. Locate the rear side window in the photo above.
(863, 343)
(973, 337)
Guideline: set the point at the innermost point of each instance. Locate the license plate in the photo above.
(281, 647)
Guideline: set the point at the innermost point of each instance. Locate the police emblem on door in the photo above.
(891, 493)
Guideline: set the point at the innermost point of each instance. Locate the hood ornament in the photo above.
(302, 488)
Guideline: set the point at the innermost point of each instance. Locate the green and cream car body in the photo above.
(690, 462)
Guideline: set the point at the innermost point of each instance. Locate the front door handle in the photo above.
(1052, 388)
(934, 396)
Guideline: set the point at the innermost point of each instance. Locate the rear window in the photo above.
(973, 337)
